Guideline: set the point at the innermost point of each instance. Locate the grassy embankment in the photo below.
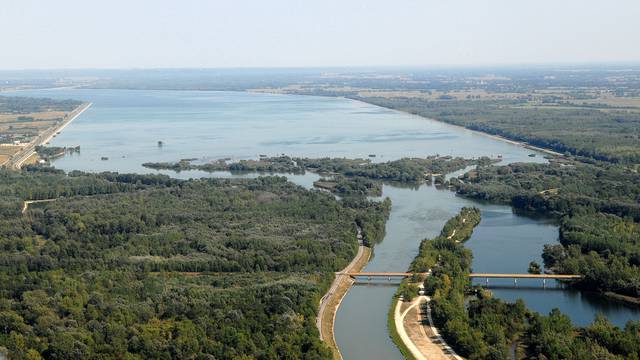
(393, 331)
(456, 231)
(333, 303)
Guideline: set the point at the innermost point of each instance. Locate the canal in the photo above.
(125, 127)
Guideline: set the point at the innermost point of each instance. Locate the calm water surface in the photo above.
(125, 126)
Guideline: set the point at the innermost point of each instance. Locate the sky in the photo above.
(44, 34)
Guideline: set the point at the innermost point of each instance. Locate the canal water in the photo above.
(125, 127)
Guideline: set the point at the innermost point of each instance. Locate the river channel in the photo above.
(126, 126)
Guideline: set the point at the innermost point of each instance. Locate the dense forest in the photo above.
(557, 188)
(350, 186)
(599, 211)
(145, 266)
(604, 248)
(478, 326)
(603, 134)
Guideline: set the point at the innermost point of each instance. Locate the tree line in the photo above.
(479, 326)
(401, 170)
(605, 134)
(145, 266)
(598, 209)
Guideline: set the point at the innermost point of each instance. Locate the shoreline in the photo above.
(18, 160)
(330, 302)
(492, 136)
(495, 137)
(252, 91)
(72, 116)
(622, 298)
(394, 326)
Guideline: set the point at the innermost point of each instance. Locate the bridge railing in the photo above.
(473, 275)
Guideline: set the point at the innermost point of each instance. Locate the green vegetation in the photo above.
(534, 268)
(600, 133)
(599, 209)
(145, 266)
(350, 186)
(450, 263)
(22, 118)
(554, 337)
(393, 331)
(343, 177)
(408, 290)
(51, 152)
(405, 170)
(371, 218)
(26, 105)
(478, 326)
(602, 247)
(280, 164)
(557, 188)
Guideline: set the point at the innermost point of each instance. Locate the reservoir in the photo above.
(126, 126)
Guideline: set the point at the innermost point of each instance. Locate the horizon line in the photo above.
(319, 67)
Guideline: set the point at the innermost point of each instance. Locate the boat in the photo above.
(532, 155)
(372, 155)
(104, 158)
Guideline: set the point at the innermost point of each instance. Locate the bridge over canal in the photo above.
(515, 277)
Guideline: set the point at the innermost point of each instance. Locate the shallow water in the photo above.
(238, 125)
(125, 126)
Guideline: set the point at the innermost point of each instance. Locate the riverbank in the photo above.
(407, 325)
(448, 264)
(330, 302)
(394, 332)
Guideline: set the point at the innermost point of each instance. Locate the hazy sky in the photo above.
(266, 33)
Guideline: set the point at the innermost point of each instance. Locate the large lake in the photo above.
(125, 126)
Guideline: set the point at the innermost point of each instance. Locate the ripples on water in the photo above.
(126, 126)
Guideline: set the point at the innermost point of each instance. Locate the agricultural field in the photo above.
(23, 119)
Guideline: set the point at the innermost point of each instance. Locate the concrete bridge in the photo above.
(515, 277)
(526, 276)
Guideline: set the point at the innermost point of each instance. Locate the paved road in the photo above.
(423, 341)
(398, 318)
(337, 281)
(19, 158)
